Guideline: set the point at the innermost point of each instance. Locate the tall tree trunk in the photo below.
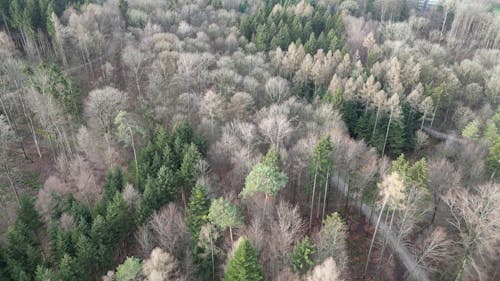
(312, 197)
(376, 121)
(11, 183)
(386, 198)
(326, 192)
(387, 132)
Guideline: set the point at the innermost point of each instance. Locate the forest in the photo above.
(249, 140)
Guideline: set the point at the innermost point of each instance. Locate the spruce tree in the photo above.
(301, 257)
(23, 252)
(244, 265)
(197, 213)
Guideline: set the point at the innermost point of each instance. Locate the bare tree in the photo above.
(432, 248)
(475, 215)
(134, 59)
(277, 89)
(326, 271)
(103, 105)
(170, 230)
(442, 177)
(161, 266)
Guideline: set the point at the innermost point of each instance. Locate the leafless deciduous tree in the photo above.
(326, 271)
(103, 105)
(170, 230)
(476, 216)
(160, 266)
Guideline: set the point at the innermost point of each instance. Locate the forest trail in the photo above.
(443, 136)
(406, 258)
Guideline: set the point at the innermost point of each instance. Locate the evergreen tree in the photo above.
(311, 45)
(301, 257)
(243, 266)
(129, 270)
(197, 213)
(493, 161)
(265, 179)
(225, 214)
(123, 7)
(23, 252)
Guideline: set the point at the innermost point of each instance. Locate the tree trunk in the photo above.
(444, 22)
(312, 197)
(435, 211)
(231, 234)
(326, 192)
(387, 132)
(12, 185)
(373, 237)
(376, 121)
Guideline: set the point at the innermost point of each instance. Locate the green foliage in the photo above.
(471, 131)
(197, 213)
(332, 237)
(321, 163)
(265, 179)
(271, 30)
(59, 86)
(33, 15)
(224, 214)
(130, 270)
(301, 257)
(493, 161)
(123, 7)
(360, 122)
(244, 266)
(413, 175)
(23, 252)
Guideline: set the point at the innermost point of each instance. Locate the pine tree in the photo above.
(225, 214)
(264, 179)
(243, 266)
(301, 257)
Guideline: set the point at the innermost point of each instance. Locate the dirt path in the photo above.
(443, 136)
(406, 258)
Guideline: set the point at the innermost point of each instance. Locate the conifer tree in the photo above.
(23, 252)
(224, 214)
(197, 213)
(320, 169)
(301, 257)
(265, 177)
(243, 266)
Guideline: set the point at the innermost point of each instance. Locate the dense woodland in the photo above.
(249, 140)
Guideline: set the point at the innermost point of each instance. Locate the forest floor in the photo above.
(359, 238)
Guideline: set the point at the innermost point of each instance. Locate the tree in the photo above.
(224, 214)
(103, 105)
(23, 252)
(170, 230)
(320, 170)
(160, 266)
(243, 264)
(326, 271)
(130, 270)
(392, 192)
(134, 59)
(197, 212)
(476, 217)
(301, 257)
(332, 240)
(6, 137)
(277, 89)
(493, 160)
(264, 178)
